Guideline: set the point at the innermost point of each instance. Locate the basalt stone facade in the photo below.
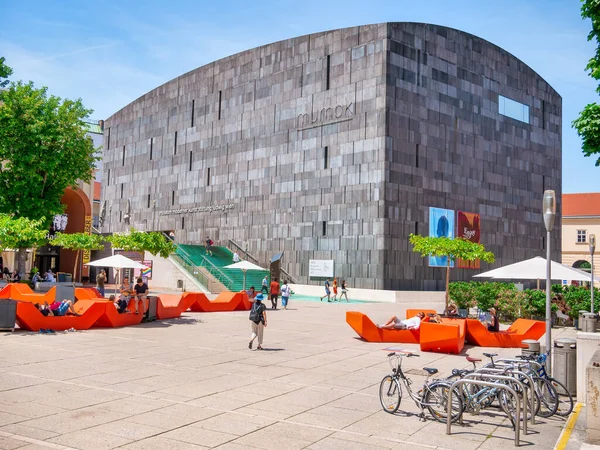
(334, 146)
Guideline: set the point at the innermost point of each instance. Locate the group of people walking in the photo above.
(343, 292)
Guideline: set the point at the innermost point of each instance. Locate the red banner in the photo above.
(468, 228)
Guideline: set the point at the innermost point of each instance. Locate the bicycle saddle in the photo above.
(430, 370)
(472, 360)
(489, 355)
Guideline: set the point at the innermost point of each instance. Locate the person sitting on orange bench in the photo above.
(407, 324)
(57, 308)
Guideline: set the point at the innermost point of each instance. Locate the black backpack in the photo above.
(256, 313)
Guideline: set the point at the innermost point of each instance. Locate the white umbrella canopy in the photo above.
(118, 261)
(244, 266)
(535, 269)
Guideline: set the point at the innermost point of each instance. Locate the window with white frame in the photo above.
(515, 110)
(581, 236)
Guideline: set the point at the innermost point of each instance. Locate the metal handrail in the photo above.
(256, 261)
(192, 270)
(488, 384)
(209, 265)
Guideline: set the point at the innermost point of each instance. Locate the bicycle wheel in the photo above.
(548, 396)
(436, 400)
(565, 400)
(390, 394)
(508, 403)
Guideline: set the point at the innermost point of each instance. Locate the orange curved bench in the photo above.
(478, 334)
(225, 301)
(30, 318)
(170, 306)
(86, 293)
(367, 330)
(110, 318)
(445, 337)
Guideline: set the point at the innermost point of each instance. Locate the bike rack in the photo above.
(534, 365)
(518, 372)
(489, 384)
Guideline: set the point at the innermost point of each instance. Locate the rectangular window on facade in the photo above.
(190, 161)
(172, 198)
(208, 177)
(183, 223)
(328, 75)
(193, 104)
(108, 183)
(175, 146)
(219, 113)
(108, 140)
(581, 236)
(123, 155)
(324, 228)
(121, 190)
(151, 147)
(148, 205)
(513, 109)
(326, 157)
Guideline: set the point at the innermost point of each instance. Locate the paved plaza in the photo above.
(192, 383)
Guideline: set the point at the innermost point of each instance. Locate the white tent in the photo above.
(535, 269)
(118, 262)
(244, 266)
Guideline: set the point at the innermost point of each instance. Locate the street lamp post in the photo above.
(592, 249)
(549, 212)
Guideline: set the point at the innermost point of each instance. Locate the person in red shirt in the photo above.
(274, 293)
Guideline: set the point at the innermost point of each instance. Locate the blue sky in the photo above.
(110, 52)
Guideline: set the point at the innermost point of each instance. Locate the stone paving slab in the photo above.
(192, 383)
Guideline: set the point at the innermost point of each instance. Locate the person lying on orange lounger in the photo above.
(57, 308)
(407, 324)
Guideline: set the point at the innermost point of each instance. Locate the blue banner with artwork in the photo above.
(441, 223)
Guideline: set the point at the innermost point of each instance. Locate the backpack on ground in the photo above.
(256, 313)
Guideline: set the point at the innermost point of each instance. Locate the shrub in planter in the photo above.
(487, 293)
(462, 293)
(513, 304)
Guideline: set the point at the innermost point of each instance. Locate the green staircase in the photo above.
(232, 279)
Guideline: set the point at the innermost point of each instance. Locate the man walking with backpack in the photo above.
(258, 319)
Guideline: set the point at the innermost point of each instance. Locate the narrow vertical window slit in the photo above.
(326, 158)
(327, 82)
(219, 113)
(175, 146)
(193, 104)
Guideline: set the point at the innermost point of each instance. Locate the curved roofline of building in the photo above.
(332, 30)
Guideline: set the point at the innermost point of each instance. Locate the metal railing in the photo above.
(208, 265)
(191, 269)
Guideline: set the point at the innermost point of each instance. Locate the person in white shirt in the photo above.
(236, 257)
(407, 324)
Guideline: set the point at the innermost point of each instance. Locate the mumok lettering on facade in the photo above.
(325, 116)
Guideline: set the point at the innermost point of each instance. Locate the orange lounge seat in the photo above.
(30, 318)
(87, 294)
(445, 337)
(367, 330)
(225, 301)
(478, 334)
(111, 317)
(169, 306)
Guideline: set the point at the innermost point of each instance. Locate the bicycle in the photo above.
(433, 395)
(547, 395)
(475, 397)
(565, 399)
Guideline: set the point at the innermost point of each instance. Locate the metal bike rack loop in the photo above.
(517, 372)
(488, 384)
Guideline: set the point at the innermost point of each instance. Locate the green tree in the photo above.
(44, 149)
(139, 241)
(5, 72)
(17, 233)
(588, 122)
(452, 249)
(78, 242)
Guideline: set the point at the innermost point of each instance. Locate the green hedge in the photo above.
(513, 304)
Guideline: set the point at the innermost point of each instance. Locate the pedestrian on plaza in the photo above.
(258, 321)
(141, 289)
(327, 291)
(265, 286)
(126, 290)
(274, 293)
(236, 257)
(335, 289)
(286, 292)
(344, 291)
(209, 244)
(100, 280)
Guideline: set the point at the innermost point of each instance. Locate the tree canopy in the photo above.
(5, 72)
(139, 241)
(452, 249)
(21, 232)
(44, 148)
(588, 122)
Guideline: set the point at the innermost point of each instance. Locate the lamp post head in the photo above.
(549, 209)
(592, 243)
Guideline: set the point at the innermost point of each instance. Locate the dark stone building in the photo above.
(334, 145)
